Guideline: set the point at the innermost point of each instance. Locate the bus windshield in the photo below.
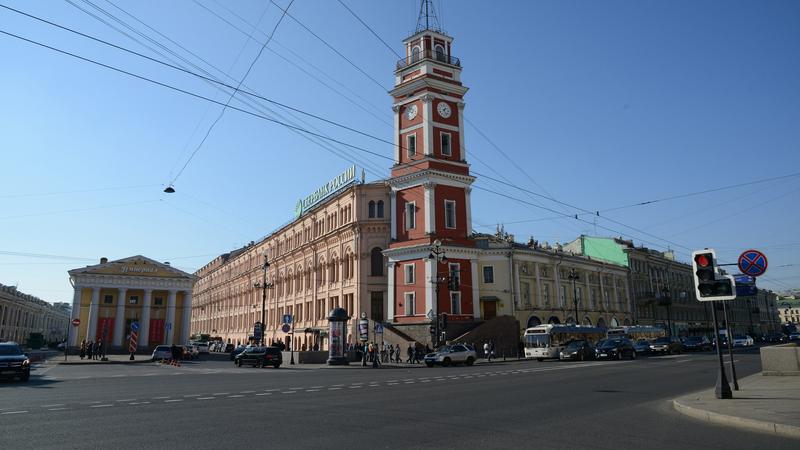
(537, 340)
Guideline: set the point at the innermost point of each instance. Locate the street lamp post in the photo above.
(263, 285)
(438, 254)
(573, 276)
(667, 299)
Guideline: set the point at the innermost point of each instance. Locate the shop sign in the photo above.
(344, 179)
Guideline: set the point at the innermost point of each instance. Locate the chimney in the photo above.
(103, 260)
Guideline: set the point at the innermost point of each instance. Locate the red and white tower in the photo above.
(430, 199)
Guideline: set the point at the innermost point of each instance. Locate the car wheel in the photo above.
(446, 362)
(470, 361)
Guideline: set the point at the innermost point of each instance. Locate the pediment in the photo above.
(134, 266)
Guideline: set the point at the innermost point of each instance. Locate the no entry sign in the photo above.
(753, 263)
(75, 322)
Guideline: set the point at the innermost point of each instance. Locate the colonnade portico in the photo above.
(111, 296)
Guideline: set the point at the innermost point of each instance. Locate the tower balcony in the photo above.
(428, 55)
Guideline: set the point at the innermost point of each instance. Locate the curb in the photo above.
(779, 429)
(97, 363)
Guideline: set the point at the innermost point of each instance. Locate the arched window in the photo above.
(601, 323)
(376, 262)
(380, 209)
(439, 52)
(614, 322)
(415, 53)
(554, 320)
(533, 321)
(371, 209)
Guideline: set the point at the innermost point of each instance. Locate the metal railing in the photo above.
(429, 54)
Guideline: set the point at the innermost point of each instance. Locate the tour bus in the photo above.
(545, 341)
(636, 332)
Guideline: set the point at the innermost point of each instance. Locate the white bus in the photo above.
(545, 341)
(637, 332)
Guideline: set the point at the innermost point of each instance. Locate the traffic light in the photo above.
(708, 283)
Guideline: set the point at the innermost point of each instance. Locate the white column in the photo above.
(391, 300)
(91, 329)
(392, 215)
(430, 287)
(187, 317)
(396, 109)
(119, 319)
(468, 208)
(76, 314)
(171, 317)
(427, 127)
(461, 146)
(144, 322)
(430, 208)
(476, 295)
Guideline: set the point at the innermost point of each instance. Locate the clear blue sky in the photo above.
(599, 104)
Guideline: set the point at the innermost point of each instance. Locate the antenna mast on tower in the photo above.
(427, 17)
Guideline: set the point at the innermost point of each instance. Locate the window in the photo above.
(563, 295)
(158, 301)
(415, 53)
(449, 214)
(410, 300)
(408, 273)
(411, 145)
(371, 209)
(133, 299)
(488, 274)
(446, 150)
(376, 262)
(380, 209)
(108, 299)
(578, 295)
(454, 270)
(439, 51)
(546, 294)
(411, 215)
(455, 302)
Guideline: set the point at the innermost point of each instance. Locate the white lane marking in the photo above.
(391, 381)
(296, 388)
(149, 374)
(53, 405)
(409, 382)
(13, 412)
(173, 400)
(236, 396)
(221, 393)
(288, 392)
(316, 387)
(246, 392)
(56, 409)
(100, 406)
(139, 403)
(205, 398)
(356, 383)
(265, 393)
(337, 385)
(393, 384)
(271, 390)
(334, 389)
(312, 390)
(428, 381)
(355, 387)
(127, 400)
(193, 395)
(117, 376)
(160, 398)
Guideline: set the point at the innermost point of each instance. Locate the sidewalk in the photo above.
(769, 404)
(74, 360)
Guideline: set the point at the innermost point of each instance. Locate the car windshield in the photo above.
(10, 350)
(611, 343)
(162, 348)
(574, 345)
(642, 342)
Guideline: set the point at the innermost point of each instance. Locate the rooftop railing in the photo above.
(428, 54)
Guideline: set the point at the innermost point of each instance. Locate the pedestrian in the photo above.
(520, 350)
(100, 349)
(397, 354)
(383, 352)
(89, 350)
(82, 353)
(365, 347)
(487, 351)
(410, 353)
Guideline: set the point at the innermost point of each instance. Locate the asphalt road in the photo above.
(527, 404)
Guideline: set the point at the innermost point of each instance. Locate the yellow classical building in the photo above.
(112, 296)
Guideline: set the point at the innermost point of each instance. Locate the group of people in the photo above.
(92, 350)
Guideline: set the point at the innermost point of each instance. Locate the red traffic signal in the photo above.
(702, 260)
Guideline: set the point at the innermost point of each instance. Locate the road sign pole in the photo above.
(66, 342)
(730, 347)
(722, 390)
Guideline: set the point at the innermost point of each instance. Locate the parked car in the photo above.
(202, 348)
(236, 351)
(260, 357)
(774, 338)
(577, 351)
(794, 337)
(742, 341)
(162, 352)
(696, 343)
(615, 348)
(451, 354)
(13, 362)
(666, 344)
(642, 347)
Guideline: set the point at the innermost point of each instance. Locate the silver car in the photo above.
(451, 354)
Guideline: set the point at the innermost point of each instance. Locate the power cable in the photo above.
(370, 30)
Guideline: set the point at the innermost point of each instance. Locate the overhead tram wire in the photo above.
(224, 108)
(391, 49)
(207, 79)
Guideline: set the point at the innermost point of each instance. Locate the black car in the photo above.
(774, 338)
(260, 357)
(577, 350)
(14, 363)
(696, 343)
(615, 348)
(666, 344)
(236, 351)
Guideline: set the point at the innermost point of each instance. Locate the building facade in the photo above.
(111, 296)
(329, 256)
(22, 314)
(788, 310)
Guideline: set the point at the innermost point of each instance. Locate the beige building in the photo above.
(537, 284)
(329, 256)
(113, 295)
(22, 314)
(789, 310)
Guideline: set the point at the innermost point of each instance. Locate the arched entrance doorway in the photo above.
(533, 321)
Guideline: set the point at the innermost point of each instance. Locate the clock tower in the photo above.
(431, 227)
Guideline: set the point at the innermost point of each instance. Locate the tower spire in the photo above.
(427, 17)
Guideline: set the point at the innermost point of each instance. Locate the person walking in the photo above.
(487, 351)
(100, 350)
(82, 353)
(89, 350)
(397, 354)
(410, 353)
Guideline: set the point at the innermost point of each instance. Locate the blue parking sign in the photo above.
(287, 318)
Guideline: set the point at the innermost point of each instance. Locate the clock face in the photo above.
(411, 112)
(444, 109)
